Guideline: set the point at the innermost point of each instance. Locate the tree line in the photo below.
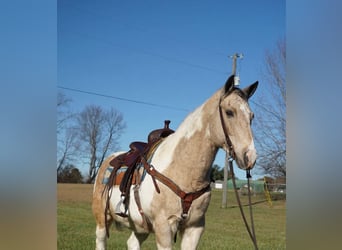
(86, 137)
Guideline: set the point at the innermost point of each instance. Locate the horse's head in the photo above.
(236, 119)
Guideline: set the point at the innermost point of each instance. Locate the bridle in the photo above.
(228, 141)
(231, 158)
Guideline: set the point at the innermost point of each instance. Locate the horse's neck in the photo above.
(192, 151)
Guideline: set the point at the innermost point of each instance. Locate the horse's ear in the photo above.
(229, 84)
(249, 91)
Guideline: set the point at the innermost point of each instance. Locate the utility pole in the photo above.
(235, 57)
(225, 169)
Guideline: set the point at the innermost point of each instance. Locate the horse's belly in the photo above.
(135, 217)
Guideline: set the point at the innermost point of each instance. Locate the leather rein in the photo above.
(231, 154)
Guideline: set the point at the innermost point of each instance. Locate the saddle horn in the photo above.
(160, 133)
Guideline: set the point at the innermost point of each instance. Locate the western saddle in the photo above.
(130, 160)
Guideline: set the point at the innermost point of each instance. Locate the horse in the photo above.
(184, 158)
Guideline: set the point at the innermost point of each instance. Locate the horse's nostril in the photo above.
(245, 158)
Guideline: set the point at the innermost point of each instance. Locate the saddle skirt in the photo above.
(119, 176)
(126, 169)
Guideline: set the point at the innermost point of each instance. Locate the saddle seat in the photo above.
(139, 146)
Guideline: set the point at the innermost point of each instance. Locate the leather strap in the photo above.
(228, 142)
(145, 222)
(186, 198)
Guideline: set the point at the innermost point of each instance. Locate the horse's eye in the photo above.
(229, 113)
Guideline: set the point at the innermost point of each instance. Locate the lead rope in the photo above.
(248, 175)
(231, 153)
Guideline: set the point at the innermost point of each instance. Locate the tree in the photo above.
(99, 130)
(63, 113)
(271, 114)
(66, 137)
(67, 145)
(69, 174)
(216, 173)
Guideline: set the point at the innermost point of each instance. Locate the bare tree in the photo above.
(63, 112)
(100, 131)
(66, 136)
(271, 114)
(67, 145)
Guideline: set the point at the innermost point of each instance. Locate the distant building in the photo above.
(217, 184)
(257, 186)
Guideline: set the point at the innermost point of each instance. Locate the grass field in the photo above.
(224, 227)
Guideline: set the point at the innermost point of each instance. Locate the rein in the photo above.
(231, 154)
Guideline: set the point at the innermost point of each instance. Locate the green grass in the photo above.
(224, 227)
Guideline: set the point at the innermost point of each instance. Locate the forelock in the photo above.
(237, 91)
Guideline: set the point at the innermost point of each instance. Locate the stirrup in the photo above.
(118, 210)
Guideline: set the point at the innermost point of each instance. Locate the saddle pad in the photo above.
(119, 175)
(106, 175)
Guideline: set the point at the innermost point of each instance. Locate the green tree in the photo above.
(216, 173)
(69, 174)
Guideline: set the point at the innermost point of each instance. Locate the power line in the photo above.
(123, 99)
(139, 50)
(146, 52)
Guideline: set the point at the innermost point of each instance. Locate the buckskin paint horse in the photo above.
(184, 158)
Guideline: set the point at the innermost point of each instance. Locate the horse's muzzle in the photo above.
(249, 158)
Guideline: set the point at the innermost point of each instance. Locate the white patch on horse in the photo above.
(193, 118)
(244, 109)
(251, 152)
(251, 146)
(184, 131)
(207, 132)
(161, 160)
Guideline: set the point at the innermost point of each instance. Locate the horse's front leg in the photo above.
(191, 236)
(165, 230)
(135, 240)
(163, 235)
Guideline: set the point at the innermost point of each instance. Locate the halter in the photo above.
(231, 158)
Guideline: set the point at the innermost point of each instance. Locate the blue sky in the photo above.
(167, 53)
